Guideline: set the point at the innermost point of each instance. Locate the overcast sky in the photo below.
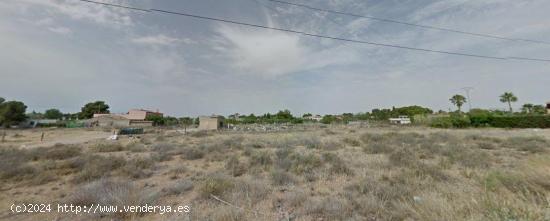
(65, 53)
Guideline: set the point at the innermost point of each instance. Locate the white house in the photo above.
(401, 120)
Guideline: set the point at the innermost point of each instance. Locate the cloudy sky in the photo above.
(64, 53)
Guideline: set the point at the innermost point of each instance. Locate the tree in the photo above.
(307, 115)
(508, 97)
(98, 107)
(12, 112)
(35, 115)
(539, 109)
(53, 114)
(328, 119)
(157, 119)
(458, 100)
(381, 114)
(170, 121)
(527, 108)
(186, 122)
(413, 110)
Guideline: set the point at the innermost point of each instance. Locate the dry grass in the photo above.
(314, 174)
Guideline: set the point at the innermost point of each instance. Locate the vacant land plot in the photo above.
(323, 174)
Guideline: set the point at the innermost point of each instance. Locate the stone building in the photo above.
(211, 123)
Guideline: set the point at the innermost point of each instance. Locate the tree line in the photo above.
(507, 98)
(14, 112)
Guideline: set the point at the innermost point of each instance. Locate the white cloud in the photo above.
(162, 40)
(268, 53)
(82, 10)
(61, 30)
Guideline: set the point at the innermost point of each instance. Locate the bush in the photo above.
(180, 187)
(261, 158)
(442, 122)
(215, 184)
(524, 121)
(470, 158)
(112, 193)
(111, 147)
(249, 190)
(282, 160)
(136, 147)
(377, 148)
(480, 118)
(460, 121)
(58, 152)
(403, 158)
(351, 141)
(328, 208)
(228, 214)
(95, 167)
(138, 168)
(235, 167)
(338, 166)
(163, 147)
(192, 154)
(311, 142)
(305, 163)
(530, 144)
(454, 121)
(281, 178)
(331, 145)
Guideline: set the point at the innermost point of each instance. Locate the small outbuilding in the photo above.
(403, 120)
(211, 122)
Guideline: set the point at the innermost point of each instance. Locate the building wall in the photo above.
(141, 123)
(141, 114)
(209, 123)
(113, 123)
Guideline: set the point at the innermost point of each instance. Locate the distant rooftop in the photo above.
(144, 110)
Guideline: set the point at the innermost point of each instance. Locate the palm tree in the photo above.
(458, 100)
(508, 97)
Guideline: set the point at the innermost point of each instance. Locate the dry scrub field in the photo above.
(339, 173)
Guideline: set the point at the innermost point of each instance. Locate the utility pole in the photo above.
(468, 89)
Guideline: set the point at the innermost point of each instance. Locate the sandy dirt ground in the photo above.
(32, 137)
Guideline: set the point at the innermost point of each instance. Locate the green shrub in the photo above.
(442, 122)
(523, 121)
(479, 117)
(454, 121)
(460, 121)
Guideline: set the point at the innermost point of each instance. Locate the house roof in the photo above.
(144, 110)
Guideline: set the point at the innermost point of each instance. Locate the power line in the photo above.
(409, 23)
(317, 35)
(118, 6)
(326, 37)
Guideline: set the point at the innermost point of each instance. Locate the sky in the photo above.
(65, 53)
